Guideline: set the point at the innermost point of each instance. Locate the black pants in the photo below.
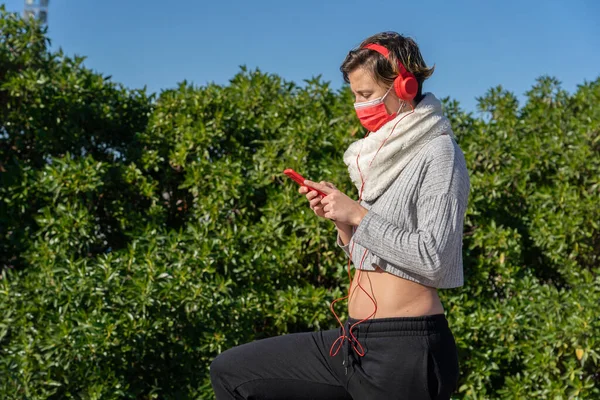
(404, 358)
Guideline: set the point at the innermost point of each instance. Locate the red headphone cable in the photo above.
(343, 336)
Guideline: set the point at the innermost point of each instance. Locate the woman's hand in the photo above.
(315, 199)
(336, 206)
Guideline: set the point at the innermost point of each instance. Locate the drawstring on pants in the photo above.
(346, 348)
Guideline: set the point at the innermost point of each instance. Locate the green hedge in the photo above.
(141, 235)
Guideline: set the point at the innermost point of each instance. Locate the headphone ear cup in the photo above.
(406, 87)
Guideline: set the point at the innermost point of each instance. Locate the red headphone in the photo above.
(405, 84)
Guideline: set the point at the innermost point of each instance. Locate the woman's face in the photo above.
(365, 88)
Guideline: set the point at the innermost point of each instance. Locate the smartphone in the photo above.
(300, 180)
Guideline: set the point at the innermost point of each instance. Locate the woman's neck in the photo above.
(418, 99)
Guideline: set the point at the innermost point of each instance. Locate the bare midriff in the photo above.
(395, 296)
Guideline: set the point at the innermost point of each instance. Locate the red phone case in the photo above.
(300, 180)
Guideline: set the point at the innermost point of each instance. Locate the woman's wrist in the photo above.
(342, 225)
(344, 231)
(360, 214)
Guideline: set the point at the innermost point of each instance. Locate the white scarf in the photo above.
(410, 134)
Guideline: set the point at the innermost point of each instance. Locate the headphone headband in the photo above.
(378, 48)
(386, 53)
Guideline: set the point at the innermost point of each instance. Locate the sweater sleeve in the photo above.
(436, 243)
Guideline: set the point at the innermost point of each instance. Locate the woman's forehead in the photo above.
(360, 79)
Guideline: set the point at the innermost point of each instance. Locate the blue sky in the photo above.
(475, 45)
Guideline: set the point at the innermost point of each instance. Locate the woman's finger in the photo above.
(312, 194)
(328, 184)
(315, 202)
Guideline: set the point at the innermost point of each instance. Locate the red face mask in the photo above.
(372, 114)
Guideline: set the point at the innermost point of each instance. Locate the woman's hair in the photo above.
(403, 49)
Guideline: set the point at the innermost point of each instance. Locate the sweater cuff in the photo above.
(345, 247)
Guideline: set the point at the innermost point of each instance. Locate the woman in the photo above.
(404, 237)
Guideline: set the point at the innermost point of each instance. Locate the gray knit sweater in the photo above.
(414, 229)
